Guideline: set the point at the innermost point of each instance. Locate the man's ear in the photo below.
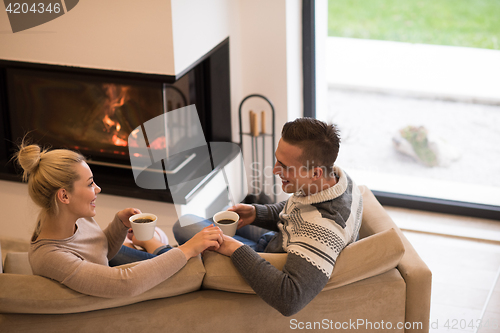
(62, 196)
(317, 173)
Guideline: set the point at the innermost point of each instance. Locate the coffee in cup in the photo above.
(146, 220)
(227, 221)
(144, 225)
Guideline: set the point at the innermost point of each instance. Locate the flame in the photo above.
(117, 96)
(118, 142)
(109, 124)
(132, 139)
(159, 143)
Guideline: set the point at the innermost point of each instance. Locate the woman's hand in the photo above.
(246, 212)
(209, 237)
(125, 214)
(229, 246)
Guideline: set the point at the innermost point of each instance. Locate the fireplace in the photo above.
(95, 111)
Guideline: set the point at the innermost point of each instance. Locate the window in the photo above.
(411, 86)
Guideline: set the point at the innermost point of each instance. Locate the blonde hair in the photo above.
(47, 172)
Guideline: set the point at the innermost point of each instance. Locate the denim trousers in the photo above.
(127, 255)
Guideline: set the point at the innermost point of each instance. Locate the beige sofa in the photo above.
(379, 283)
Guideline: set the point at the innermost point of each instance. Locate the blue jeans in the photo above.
(255, 237)
(127, 255)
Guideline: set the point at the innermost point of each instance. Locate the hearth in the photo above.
(94, 111)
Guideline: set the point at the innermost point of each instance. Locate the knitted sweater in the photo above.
(81, 262)
(313, 230)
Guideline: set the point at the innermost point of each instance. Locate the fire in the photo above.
(117, 97)
(109, 124)
(159, 143)
(118, 142)
(133, 138)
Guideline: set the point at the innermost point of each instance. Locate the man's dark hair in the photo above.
(320, 142)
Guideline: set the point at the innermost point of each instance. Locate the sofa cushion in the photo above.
(17, 263)
(367, 257)
(36, 294)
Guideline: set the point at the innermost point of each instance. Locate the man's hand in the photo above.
(246, 212)
(229, 245)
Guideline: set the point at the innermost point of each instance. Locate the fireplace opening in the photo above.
(92, 115)
(95, 112)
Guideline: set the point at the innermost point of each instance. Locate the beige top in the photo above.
(81, 262)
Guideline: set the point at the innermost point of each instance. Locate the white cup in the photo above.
(228, 229)
(143, 231)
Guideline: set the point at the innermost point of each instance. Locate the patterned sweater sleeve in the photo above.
(288, 290)
(268, 215)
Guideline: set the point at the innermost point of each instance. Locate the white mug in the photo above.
(228, 229)
(143, 231)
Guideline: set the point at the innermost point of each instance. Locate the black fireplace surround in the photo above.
(93, 111)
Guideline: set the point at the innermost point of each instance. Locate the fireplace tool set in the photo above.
(258, 135)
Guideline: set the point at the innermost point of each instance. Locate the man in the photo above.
(322, 216)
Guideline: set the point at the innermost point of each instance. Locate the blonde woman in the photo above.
(70, 247)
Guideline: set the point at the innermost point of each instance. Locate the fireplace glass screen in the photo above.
(94, 115)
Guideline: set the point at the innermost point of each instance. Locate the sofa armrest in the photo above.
(414, 271)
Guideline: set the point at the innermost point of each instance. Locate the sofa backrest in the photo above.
(35, 294)
(17, 263)
(365, 258)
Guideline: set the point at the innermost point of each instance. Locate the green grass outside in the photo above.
(469, 23)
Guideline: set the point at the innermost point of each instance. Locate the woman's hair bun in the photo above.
(28, 157)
